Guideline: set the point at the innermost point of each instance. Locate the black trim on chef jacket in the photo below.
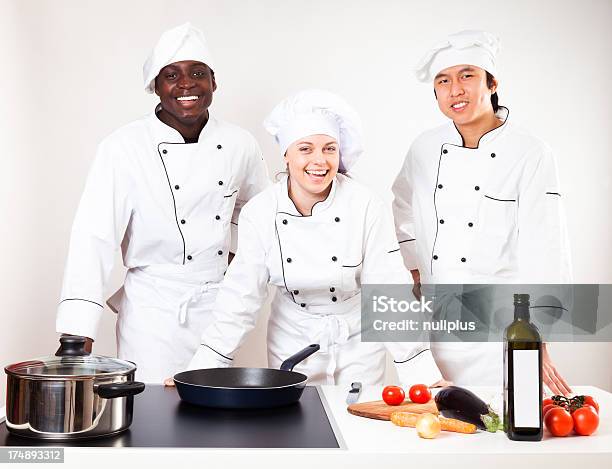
(414, 356)
(172, 193)
(300, 215)
(280, 249)
(81, 299)
(489, 131)
(352, 266)
(311, 208)
(500, 200)
(433, 248)
(406, 240)
(226, 196)
(208, 346)
(395, 250)
(443, 151)
(294, 215)
(554, 193)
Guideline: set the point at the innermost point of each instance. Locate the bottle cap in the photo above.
(521, 299)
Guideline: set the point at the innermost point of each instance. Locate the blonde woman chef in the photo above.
(477, 200)
(316, 235)
(167, 189)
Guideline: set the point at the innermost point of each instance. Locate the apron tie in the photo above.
(191, 296)
(173, 278)
(325, 324)
(332, 329)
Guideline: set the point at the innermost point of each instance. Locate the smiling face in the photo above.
(463, 95)
(312, 163)
(185, 90)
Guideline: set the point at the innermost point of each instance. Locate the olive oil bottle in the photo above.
(522, 375)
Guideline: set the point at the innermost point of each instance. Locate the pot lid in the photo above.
(71, 361)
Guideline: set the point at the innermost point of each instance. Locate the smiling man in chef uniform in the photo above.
(477, 200)
(167, 190)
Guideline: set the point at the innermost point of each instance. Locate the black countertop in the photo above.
(162, 420)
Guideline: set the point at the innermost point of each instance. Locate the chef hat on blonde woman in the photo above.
(317, 112)
(175, 45)
(478, 48)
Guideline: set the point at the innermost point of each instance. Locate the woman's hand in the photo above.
(441, 384)
(169, 382)
(416, 289)
(551, 377)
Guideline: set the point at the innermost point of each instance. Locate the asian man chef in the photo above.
(316, 236)
(478, 200)
(167, 190)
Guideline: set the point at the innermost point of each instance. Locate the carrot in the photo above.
(454, 425)
(409, 419)
(404, 419)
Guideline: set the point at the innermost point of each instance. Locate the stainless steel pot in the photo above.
(71, 395)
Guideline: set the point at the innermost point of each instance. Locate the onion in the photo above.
(428, 426)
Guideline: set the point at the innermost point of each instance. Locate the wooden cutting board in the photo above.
(381, 411)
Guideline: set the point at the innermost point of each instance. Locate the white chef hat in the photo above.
(314, 112)
(184, 42)
(478, 48)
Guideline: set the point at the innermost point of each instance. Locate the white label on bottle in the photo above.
(526, 388)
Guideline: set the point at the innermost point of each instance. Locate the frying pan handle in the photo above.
(303, 354)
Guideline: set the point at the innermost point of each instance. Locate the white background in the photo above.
(71, 73)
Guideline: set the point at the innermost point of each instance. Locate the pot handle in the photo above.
(112, 390)
(72, 346)
(302, 355)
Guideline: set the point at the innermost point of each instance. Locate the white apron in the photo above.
(162, 312)
(343, 358)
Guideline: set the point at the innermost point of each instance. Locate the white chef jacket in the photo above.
(170, 206)
(317, 264)
(490, 214)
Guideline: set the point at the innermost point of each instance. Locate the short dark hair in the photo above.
(494, 97)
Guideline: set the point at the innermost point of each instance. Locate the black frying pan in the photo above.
(245, 388)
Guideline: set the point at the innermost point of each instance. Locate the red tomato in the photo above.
(586, 420)
(558, 421)
(393, 395)
(547, 408)
(572, 410)
(419, 393)
(588, 400)
(547, 401)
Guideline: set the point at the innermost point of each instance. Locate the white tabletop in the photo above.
(368, 443)
(365, 435)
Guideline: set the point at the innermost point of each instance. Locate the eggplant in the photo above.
(459, 403)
